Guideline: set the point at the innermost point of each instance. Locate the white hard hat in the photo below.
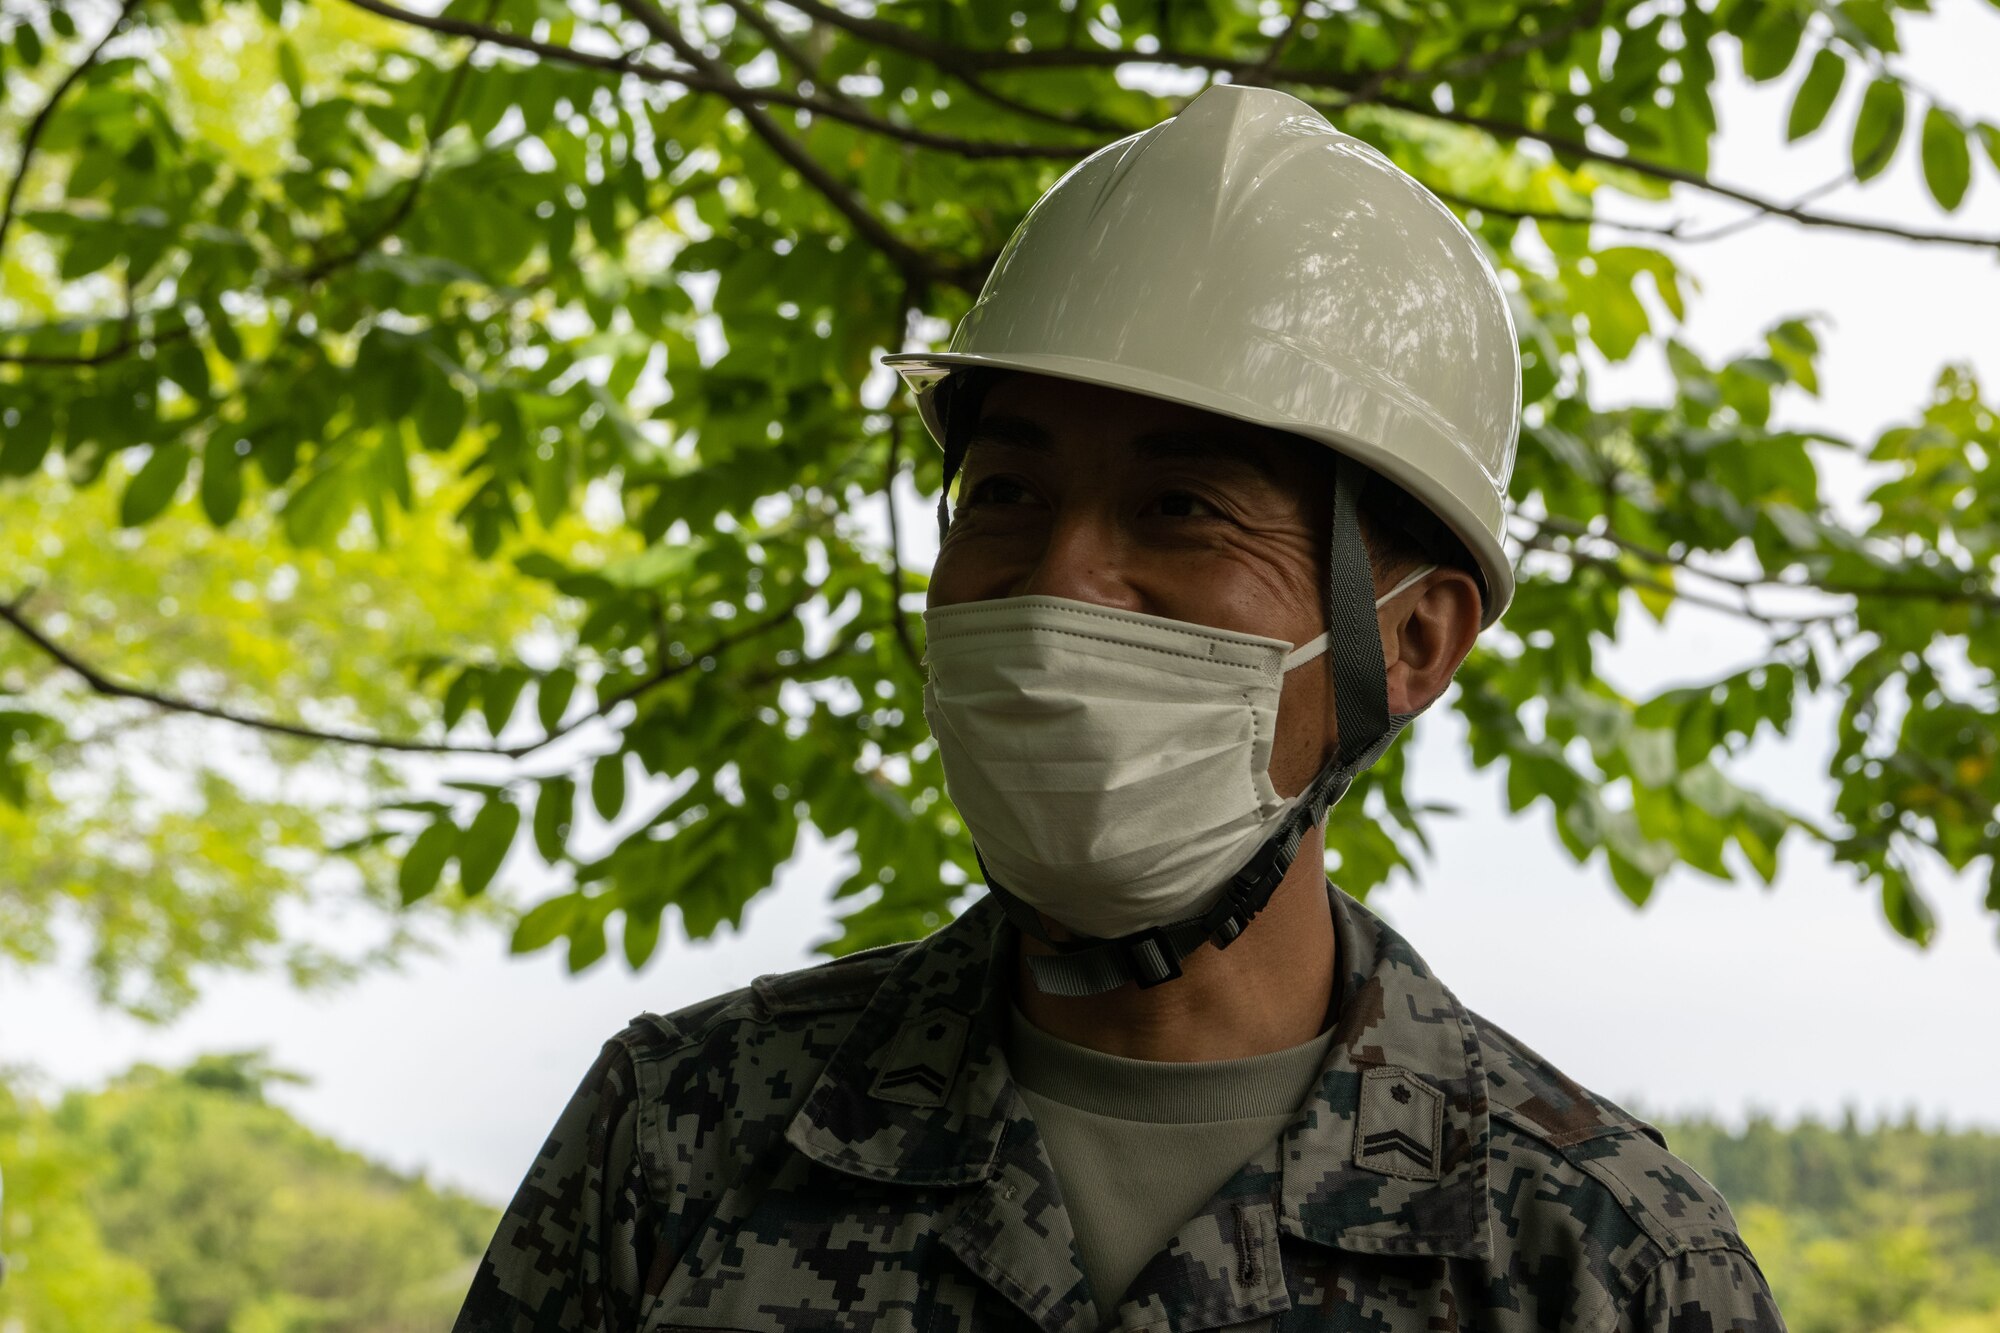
(1247, 258)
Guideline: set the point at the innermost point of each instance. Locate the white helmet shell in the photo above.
(1247, 258)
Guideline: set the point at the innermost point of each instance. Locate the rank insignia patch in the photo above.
(1400, 1126)
(922, 1061)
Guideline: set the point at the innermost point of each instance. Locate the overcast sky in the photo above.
(1792, 1000)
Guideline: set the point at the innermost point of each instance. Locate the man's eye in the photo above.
(994, 490)
(1184, 504)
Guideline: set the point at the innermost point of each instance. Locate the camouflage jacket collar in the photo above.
(1387, 1156)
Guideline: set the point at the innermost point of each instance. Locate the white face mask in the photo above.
(1113, 767)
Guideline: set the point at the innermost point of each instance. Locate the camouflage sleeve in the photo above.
(569, 1250)
(1719, 1290)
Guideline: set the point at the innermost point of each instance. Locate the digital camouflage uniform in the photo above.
(843, 1148)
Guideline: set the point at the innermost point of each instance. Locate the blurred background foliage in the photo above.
(188, 1201)
(445, 451)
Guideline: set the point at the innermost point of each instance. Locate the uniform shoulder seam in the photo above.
(1526, 1089)
(843, 983)
(847, 982)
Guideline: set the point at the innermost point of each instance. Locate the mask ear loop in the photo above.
(1316, 645)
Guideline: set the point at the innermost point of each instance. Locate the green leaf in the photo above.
(1650, 750)
(607, 785)
(26, 443)
(552, 697)
(186, 364)
(1947, 158)
(1989, 135)
(555, 809)
(486, 844)
(586, 940)
(320, 506)
(1878, 128)
(424, 862)
(28, 43)
(1772, 41)
(440, 414)
(1794, 346)
(290, 71)
(221, 478)
(88, 251)
(503, 691)
(544, 923)
(1762, 854)
(1816, 95)
(1909, 915)
(153, 489)
(641, 935)
(1868, 22)
(458, 696)
(221, 331)
(1633, 882)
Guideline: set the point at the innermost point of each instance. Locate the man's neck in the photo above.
(1270, 989)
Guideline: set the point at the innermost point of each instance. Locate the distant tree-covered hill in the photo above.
(1891, 1227)
(186, 1202)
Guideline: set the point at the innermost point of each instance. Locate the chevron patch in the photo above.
(1399, 1128)
(919, 1065)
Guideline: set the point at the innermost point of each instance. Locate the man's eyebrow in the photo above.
(1182, 443)
(1202, 445)
(1019, 432)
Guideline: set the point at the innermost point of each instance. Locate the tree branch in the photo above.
(1535, 538)
(1752, 218)
(1694, 180)
(1671, 230)
(1070, 120)
(779, 41)
(12, 613)
(1359, 90)
(958, 59)
(41, 120)
(710, 78)
(1542, 541)
(1280, 42)
(440, 122)
(911, 262)
(122, 348)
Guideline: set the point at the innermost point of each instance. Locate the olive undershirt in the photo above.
(1109, 1122)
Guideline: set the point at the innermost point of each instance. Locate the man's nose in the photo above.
(1084, 560)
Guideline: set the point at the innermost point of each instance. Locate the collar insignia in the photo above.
(1400, 1124)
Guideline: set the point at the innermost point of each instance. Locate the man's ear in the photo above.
(1426, 633)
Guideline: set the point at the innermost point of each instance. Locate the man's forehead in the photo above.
(1146, 429)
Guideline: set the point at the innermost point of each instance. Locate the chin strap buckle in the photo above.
(1241, 901)
(1150, 957)
(1251, 887)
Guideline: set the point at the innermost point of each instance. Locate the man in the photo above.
(1233, 380)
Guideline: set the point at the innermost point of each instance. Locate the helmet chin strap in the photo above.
(1086, 965)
